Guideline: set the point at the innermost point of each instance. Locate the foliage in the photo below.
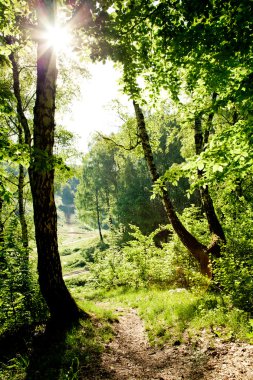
(20, 298)
(97, 186)
(233, 270)
(234, 274)
(118, 174)
(139, 263)
(67, 206)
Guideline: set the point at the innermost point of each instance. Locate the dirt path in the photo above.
(74, 273)
(129, 357)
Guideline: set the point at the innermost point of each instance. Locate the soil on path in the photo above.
(129, 356)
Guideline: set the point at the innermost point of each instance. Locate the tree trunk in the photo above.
(21, 208)
(1, 225)
(110, 220)
(24, 266)
(23, 128)
(24, 230)
(215, 228)
(98, 218)
(20, 113)
(197, 249)
(3, 263)
(61, 305)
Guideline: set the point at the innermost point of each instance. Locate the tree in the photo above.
(201, 137)
(115, 187)
(197, 249)
(62, 307)
(97, 187)
(67, 205)
(41, 172)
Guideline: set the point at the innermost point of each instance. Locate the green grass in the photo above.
(173, 317)
(74, 243)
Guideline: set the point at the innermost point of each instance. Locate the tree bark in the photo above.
(23, 129)
(61, 305)
(197, 249)
(20, 112)
(21, 210)
(1, 224)
(215, 228)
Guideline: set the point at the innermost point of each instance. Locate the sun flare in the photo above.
(59, 38)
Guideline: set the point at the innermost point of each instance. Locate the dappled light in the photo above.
(126, 190)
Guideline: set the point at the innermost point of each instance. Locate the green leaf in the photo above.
(200, 166)
(217, 168)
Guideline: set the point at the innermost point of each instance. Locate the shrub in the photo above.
(139, 263)
(20, 298)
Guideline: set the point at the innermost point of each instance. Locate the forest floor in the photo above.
(129, 356)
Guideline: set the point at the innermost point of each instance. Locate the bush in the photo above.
(139, 263)
(233, 274)
(20, 298)
(233, 271)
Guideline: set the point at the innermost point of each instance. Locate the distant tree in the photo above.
(96, 190)
(67, 206)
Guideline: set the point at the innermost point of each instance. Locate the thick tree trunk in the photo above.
(197, 249)
(61, 305)
(201, 139)
(41, 173)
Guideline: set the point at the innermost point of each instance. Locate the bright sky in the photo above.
(92, 112)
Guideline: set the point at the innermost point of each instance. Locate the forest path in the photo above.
(130, 357)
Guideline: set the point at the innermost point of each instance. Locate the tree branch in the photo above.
(131, 147)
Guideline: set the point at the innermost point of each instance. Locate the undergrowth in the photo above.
(59, 355)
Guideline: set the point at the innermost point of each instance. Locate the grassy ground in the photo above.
(74, 241)
(179, 316)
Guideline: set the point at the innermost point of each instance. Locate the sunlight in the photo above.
(59, 38)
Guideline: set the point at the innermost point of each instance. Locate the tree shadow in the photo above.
(51, 352)
(66, 352)
(47, 354)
